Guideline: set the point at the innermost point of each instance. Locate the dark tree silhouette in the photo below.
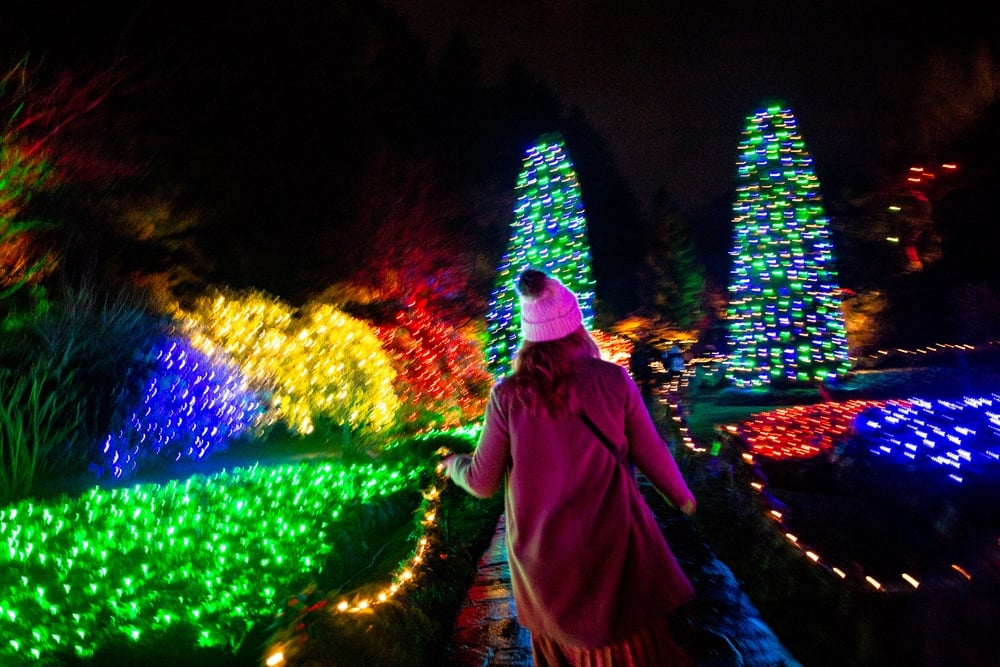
(677, 281)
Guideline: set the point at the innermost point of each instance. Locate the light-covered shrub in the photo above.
(193, 405)
(317, 365)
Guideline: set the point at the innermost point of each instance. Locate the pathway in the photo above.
(487, 634)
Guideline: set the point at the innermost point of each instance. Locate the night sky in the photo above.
(668, 88)
(253, 103)
(670, 85)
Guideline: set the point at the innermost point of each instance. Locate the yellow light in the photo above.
(275, 659)
(911, 581)
(757, 486)
(874, 583)
(342, 606)
(961, 571)
(814, 557)
(776, 514)
(792, 538)
(840, 573)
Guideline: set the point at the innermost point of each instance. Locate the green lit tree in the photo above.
(549, 233)
(786, 324)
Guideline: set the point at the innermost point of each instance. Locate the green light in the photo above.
(548, 232)
(205, 503)
(782, 287)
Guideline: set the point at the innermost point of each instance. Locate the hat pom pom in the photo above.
(531, 283)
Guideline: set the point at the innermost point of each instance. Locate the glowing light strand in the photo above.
(965, 431)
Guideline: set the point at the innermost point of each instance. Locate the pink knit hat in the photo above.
(548, 309)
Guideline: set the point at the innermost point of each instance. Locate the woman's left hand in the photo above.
(689, 507)
(446, 465)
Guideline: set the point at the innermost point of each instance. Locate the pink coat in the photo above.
(588, 563)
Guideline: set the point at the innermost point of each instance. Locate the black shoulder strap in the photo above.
(607, 443)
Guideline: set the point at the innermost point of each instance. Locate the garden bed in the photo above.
(251, 555)
(867, 518)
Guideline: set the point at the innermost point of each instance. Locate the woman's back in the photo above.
(581, 540)
(593, 577)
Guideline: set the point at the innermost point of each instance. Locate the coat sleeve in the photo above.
(650, 453)
(483, 473)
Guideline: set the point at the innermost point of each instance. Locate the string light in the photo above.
(953, 434)
(213, 547)
(785, 318)
(406, 577)
(549, 232)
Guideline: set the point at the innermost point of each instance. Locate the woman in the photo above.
(593, 578)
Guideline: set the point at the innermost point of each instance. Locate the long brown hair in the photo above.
(542, 371)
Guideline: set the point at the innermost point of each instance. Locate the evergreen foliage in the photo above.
(549, 233)
(678, 282)
(786, 325)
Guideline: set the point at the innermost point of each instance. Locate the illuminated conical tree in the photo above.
(785, 319)
(549, 233)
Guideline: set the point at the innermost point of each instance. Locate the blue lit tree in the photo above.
(786, 325)
(549, 232)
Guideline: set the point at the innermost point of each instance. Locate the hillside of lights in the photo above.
(215, 553)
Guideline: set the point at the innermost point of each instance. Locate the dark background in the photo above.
(287, 134)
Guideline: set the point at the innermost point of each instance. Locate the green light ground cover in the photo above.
(211, 552)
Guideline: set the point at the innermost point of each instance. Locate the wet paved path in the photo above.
(487, 634)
